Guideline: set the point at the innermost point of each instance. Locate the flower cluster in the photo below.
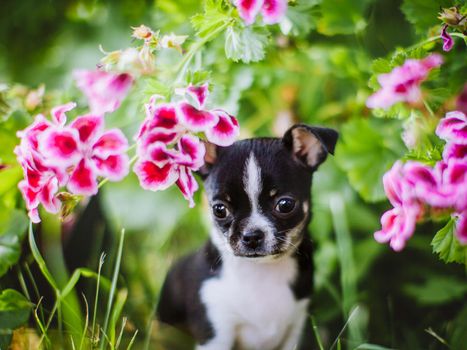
(412, 188)
(402, 84)
(271, 10)
(169, 151)
(53, 154)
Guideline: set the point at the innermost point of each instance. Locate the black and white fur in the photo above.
(249, 287)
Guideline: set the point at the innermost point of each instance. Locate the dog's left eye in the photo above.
(285, 205)
(220, 211)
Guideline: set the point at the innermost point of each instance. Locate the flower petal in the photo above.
(226, 131)
(114, 167)
(448, 42)
(192, 152)
(153, 177)
(195, 119)
(187, 184)
(453, 127)
(273, 11)
(47, 196)
(199, 93)
(248, 9)
(104, 90)
(111, 142)
(461, 228)
(159, 154)
(58, 113)
(83, 179)
(88, 126)
(30, 194)
(60, 147)
(456, 151)
(164, 116)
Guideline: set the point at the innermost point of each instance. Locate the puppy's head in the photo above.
(259, 190)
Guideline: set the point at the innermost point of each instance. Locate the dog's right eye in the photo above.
(220, 211)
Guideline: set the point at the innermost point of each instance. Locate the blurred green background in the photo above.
(407, 300)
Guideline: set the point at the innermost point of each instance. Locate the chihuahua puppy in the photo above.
(249, 287)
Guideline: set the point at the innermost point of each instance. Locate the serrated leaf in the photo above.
(245, 44)
(447, 246)
(215, 13)
(13, 224)
(366, 151)
(198, 77)
(423, 14)
(14, 312)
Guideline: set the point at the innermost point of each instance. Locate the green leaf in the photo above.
(198, 77)
(342, 17)
(245, 44)
(437, 290)
(13, 226)
(423, 14)
(366, 151)
(447, 246)
(216, 12)
(301, 18)
(14, 312)
(367, 346)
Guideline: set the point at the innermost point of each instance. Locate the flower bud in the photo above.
(453, 18)
(69, 202)
(142, 32)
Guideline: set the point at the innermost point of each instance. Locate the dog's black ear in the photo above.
(310, 145)
(210, 158)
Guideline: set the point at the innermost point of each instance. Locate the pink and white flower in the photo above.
(104, 91)
(168, 151)
(402, 84)
(90, 150)
(271, 10)
(453, 127)
(54, 155)
(398, 225)
(226, 131)
(461, 228)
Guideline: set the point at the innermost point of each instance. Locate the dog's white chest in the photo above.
(252, 303)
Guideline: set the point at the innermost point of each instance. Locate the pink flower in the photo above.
(105, 91)
(225, 132)
(88, 150)
(41, 181)
(448, 43)
(453, 127)
(272, 10)
(398, 225)
(403, 83)
(461, 228)
(456, 151)
(168, 151)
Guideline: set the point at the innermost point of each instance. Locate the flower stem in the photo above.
(183, 65)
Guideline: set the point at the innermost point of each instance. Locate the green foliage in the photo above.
(245, 44)
(14, 312)
(342, 17)
(216, 13)
(439, 290)
(366, 151)
(423, 13)
(447, 246)
(301, 18)
(13, 226)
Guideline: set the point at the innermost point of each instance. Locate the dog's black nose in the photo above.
(253, 239)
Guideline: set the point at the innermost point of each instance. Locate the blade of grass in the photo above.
(120, 335)
(113, 287)
(116, 311)
(315, 331)
(86, 324)
(352, 315)
(436, 336)
(39, 260)
(36, 290)
(130, 344)
(41, 323)
(96, 298)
